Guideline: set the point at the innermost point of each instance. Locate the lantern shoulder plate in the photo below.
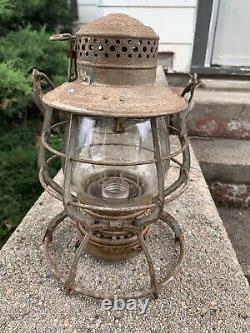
(119, 25)
(141, 101)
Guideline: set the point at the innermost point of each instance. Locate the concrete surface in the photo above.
(237, 224)
(223, 160)
(220, 114)
(209, 83)
(209, 294)
(225, 84)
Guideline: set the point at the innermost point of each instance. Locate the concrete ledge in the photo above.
(225, 164)
(220, 114)
(223, 160)
(209, 294)
(222, 84)
(238, 227)
(231, 195)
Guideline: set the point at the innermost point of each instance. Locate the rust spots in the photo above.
(219, 127)
(233, 195)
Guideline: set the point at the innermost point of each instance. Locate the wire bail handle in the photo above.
(37, 78)
(190, 87)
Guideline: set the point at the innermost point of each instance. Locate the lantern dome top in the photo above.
(119, 25)
(115, 59)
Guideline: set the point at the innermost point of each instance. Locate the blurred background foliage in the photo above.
(25, 27)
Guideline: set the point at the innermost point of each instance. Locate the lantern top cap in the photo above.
(119, 25)
(116, 61)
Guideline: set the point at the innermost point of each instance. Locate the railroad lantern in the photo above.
(117, 123)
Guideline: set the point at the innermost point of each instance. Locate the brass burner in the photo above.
(114, 244)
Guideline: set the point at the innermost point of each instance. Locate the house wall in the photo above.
(88, 10)
(172, 20)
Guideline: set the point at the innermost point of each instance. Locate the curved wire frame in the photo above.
(85, 214)
(164, 195)
(70, 284)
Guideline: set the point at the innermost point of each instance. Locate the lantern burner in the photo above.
(113, 244)
(115, 184)
(118, 187)
(115, 188)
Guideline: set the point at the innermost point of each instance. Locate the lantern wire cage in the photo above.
(92, 218)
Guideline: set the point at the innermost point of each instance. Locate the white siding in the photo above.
(149, 3)
(88, 10)
(172, 20)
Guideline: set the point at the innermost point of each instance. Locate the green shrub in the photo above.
(25, 27)
(20, 52)
(55, 15)
(19, 183)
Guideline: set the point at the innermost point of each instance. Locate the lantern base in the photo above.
(70, 284)
(114, 245)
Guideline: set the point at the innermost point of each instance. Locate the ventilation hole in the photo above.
(101, 48)
(91, 47)
(83, 47)
(154, 42)
(106, 55)
(118, 55)
(148, 42)
(95, 54)
(152, 49)
(86, 40)
(147, 55)
(140, 42)
(95, 40)
(87, 53)
(135, 48)
(130, 41)
(144, 49)
(153, 55)
(124, 49)
(80, 54)
(139, 55)
(106, 41)
(112, 48)
(130, 55)
(118, 41)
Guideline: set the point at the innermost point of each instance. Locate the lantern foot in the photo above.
(69, 283)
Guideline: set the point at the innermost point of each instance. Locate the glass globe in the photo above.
(117, 141)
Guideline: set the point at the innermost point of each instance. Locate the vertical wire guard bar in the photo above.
(68, 197)
(158, 163)
(160, 176)
(72, 212)
(160, 180)
(68, 163)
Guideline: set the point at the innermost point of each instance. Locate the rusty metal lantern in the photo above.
(117, 149)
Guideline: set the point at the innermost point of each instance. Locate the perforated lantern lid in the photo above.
(116, 57)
